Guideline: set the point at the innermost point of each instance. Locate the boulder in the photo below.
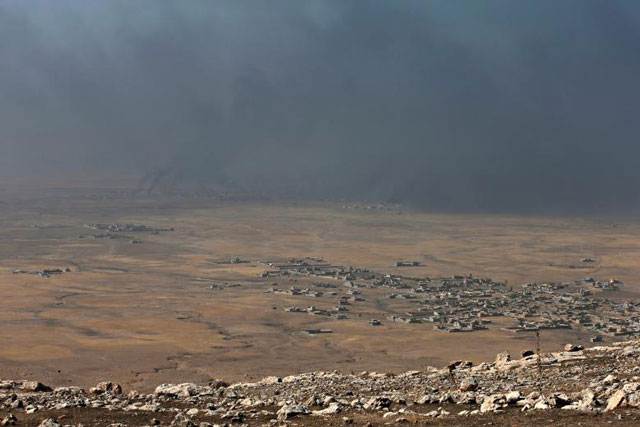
(233, 416)
(106, 387)
(33, 386)
(426, 398)
(328, 400)
(484, 366)
(561, 400)
(631, 387)
(7, 385)
(49, 422)
(377, 403)
(292, 410)
(333, 408)
(270, 380)
(512, 397)
(246, 402)
(463, 398)
(409, 374)
(469, 384)
(68, 391)
(633, 399)
(446, 398)
(542, 404)
(503, 357)
(573, 347)
(616, 400)
(216, 383)
(491, 403)
(587, 399)
(179, 390)
(459, 364)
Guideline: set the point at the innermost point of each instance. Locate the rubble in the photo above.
(570, 380)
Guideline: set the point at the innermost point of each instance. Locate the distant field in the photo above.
(140, 314)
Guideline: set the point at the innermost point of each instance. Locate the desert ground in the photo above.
(143, 313)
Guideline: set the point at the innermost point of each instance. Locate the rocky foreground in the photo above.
(594, 386)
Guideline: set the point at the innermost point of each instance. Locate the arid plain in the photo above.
(172, 309)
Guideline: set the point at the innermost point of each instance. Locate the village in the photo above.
(115, 230)
(128, 228)
(460, 303)
(45, 272)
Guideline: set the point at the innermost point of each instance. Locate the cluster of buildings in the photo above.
(464, 303)
(126, 228)
(114, 231)
(337, 312)
(46, 272)
(297, 291)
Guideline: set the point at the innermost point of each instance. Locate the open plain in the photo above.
(167, 304)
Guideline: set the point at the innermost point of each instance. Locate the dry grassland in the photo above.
(139, 314)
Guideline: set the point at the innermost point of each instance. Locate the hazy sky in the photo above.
(489, 105)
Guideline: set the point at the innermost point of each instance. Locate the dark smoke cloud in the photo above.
(467, 105)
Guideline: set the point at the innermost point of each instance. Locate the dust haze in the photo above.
(491, 106)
